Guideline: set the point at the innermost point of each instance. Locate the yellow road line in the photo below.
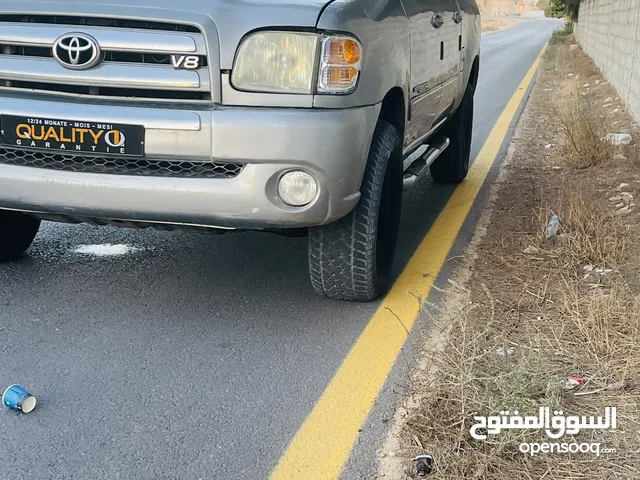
(324, 441)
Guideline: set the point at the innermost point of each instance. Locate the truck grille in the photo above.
(135, 62)
(118, 165)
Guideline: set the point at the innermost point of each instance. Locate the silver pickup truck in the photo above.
(300, 117)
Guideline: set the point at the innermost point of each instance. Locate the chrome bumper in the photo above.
(330, 144)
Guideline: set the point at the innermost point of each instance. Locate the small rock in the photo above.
(573, 46)
(606, 105)
(619, 156)
(608, 99)
(586, 85)
(505, 352)
(620, 205)
(570, 75)
(588, 268)
(626, 195)
(623, 185)
(531, 250)
(624, 210)
(616, 110)
(583, 94)
(548, 145)
(616, 386)
(556, 167)
(597, 82)
(616, 198)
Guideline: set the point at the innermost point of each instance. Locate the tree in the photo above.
(561, 8)
(556, 9)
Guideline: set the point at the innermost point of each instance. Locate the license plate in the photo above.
(72, 136)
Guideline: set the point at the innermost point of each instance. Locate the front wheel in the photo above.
(17, 232)
(350, 259)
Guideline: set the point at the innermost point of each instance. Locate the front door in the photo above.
(426, 68)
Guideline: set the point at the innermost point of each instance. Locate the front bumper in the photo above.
(332, 145)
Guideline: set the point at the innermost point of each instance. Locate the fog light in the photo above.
(297, 188)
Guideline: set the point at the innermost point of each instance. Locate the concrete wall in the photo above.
(609, 31)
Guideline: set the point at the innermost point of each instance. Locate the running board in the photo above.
(422, 163)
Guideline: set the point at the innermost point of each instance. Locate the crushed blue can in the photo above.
(17, 398)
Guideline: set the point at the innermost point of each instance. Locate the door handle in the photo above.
(437, 21)
(457, 17)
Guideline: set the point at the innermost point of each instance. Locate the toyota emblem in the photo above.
(77, 51)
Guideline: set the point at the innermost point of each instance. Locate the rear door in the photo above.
(450, 36)
(426, 68)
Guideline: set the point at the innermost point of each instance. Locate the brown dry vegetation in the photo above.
(492, 24)
(556, 318)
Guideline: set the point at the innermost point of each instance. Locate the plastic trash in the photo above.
(618, 138)
(552, 227)
(17, 398)
(573, 382)
(424, 465)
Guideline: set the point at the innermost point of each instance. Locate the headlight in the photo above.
(279, 62)
(292, 62)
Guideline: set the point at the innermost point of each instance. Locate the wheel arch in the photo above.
(394, 110)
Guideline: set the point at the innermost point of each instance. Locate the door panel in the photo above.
(450, 36)
(425, 68)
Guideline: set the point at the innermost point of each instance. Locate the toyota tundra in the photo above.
(299, 117)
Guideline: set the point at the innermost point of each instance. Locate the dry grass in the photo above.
(554, 318)
(583, 131)
(557, 326)
(492, 24)
(581, 121)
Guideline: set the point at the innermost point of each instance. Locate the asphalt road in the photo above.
(192, 356)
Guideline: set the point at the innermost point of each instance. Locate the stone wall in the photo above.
(609, 31)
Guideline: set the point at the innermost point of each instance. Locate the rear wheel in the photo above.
(351, 258)
(453, 165)
(17, 232)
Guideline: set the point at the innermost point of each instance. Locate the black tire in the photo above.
(351, 258)
(17, 232)
(453, 165)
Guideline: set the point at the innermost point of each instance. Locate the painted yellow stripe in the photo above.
(323, 444)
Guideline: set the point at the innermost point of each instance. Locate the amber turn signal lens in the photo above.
(342, 50)
(351, 51)
(340, 65)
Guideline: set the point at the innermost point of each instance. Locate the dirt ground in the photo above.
(493, 23)
(537, 318)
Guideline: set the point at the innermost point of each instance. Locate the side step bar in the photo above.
(422, 162)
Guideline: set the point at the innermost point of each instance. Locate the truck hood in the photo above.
(232, 19)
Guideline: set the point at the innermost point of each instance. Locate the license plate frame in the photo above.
(72, 136)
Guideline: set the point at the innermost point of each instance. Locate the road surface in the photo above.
(192, 355)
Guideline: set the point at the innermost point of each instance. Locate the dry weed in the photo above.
(583, 131)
